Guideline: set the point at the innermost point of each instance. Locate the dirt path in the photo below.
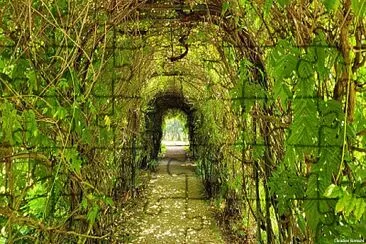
(175, 210)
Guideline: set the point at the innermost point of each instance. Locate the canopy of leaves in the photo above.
(273, 92)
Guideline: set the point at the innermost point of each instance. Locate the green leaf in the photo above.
(333, 191)
(31, 124)
(285, 184)
(360, 207)
(20, 68)
(359, 7)
(92, 214)
(86, 135)
(225, 7)
(282, 91)
(32, 78)
(242, 3)
(36, 200)
(108, 201)
(60, 113)
(283, 3)
(84, 203)
(258, 152)
(282, 60)
(343, 202)
(304, 129)
(73, 158)
(267, 7)
(301, 222)
(11, 126)
(2, 62)
(62, 5)
(312, 215)
(350, 206)
(304, 69)
(331, 5)
(64, 83)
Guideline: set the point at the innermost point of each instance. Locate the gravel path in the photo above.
(175, 209)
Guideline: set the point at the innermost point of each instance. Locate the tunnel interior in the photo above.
(274, 100)
(158, 107)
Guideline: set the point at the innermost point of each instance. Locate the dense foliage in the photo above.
(273, 92)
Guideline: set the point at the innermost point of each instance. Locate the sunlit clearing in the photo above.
(175, 128)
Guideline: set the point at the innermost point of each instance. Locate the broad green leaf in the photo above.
(333, 191)
(350, 206)
(312, 207)
(282, 91)
(301, 222)
(304, 69)
(360, 207)
(282, 61)
(343, 202)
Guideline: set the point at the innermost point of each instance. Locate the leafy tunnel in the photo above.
(160, 105)
(273, 91)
